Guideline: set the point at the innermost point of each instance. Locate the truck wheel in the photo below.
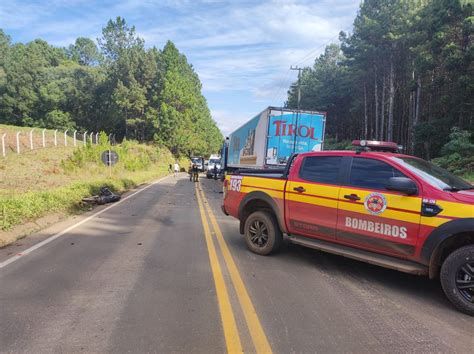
(457, 278)
(262, 233)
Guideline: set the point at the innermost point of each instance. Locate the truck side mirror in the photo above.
(402, 184)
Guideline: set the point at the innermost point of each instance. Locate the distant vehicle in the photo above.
(199, 161)
(271, 137)
(373, 205)
(214, 161)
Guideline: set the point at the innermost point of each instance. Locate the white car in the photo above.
(213, 161)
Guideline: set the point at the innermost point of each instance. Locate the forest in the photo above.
(404, 74)
(117, 86)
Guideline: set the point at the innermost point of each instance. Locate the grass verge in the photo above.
(60, 183)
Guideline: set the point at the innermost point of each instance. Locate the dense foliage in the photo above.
(405, 74)
(119, 87)
(458, 153)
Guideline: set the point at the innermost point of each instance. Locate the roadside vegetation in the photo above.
(54, 180)
(457, 155)
(149, 99)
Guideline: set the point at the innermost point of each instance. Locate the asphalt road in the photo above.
(165, 271)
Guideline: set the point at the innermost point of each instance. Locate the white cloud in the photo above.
(252, 46)
(234, 46)
(228, 120)
(17, 15)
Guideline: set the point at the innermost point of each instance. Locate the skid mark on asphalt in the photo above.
(257, 333)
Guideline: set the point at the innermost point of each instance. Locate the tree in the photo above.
(184, 122)
(125, 89)
(118, 39)
(407, 68)
(57, 119)
(85, 52)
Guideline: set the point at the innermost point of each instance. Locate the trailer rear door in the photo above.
(290, 132)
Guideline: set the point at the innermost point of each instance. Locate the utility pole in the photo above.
(298, 102)
(299, 83)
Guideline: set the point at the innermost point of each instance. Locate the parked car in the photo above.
(214, 162)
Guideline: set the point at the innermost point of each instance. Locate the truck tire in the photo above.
(262, 233)
(457, 278)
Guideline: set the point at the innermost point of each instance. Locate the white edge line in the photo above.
(72, 227)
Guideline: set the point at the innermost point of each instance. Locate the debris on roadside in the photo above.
(105, 196)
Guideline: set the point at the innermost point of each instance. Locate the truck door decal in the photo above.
(375, 203)
(235, 183)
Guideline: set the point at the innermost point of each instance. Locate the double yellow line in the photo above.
(231, 332)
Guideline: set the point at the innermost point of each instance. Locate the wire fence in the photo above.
(20, 141)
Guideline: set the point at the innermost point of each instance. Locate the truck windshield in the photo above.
(434, 175)
(214, 161)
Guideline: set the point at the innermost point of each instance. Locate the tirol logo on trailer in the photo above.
(293, 132)
(375, 203)
(282, 128)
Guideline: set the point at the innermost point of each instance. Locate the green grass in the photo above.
(31, 205)
(43, 181)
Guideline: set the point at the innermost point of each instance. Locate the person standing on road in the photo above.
(176, 169)
(194, 173)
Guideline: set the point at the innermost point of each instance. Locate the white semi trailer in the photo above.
(272, 136)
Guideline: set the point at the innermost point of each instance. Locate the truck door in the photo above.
(311, 196)
(371, 217)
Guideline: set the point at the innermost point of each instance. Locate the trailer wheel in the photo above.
(457, 278)
(262, 233)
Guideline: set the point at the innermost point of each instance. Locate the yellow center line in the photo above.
(231, 333)
(257, 333)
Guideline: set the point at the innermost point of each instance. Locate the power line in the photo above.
(282, 84)
(285, 82)
(317, 48)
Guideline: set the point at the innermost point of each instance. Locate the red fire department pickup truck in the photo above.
(372, 204)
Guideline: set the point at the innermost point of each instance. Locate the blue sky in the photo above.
(241, 50)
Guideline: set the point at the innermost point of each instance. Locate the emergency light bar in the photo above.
(374, 145)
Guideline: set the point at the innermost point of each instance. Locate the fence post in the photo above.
(110, 139)
(18, 142)
(74, 137)
(84, 137)
(97, 138)
(44, 140)
(55, 137)
(3, 144)
(31, 139)
(92, 133)
(65, 137)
